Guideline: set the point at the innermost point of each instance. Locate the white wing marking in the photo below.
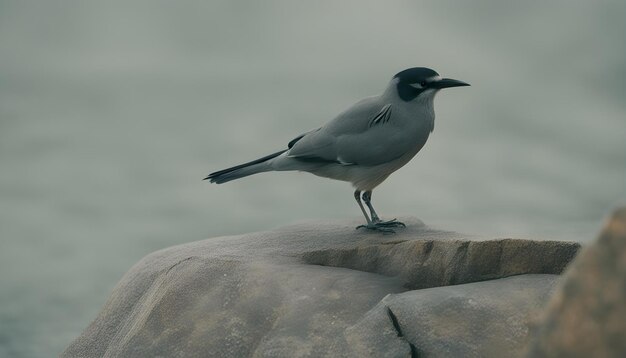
(383, 116)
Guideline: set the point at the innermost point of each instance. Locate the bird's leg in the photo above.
(357, 196)
(370, 224)
(376, 222)
(367, 198)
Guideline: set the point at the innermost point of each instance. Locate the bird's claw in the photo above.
(390, 223)
(383, 226)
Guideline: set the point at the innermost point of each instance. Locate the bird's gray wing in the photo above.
(364, 134)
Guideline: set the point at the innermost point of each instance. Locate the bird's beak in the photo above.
(447, 82)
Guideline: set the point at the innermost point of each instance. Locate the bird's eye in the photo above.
(423, 83)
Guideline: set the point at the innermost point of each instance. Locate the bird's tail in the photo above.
(243, 170)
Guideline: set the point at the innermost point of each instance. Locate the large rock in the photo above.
(318, 289)
(587, 315)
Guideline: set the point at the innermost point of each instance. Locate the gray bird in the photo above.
(364, 144)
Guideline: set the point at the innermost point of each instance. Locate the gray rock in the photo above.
(587, 315)
(299, 291)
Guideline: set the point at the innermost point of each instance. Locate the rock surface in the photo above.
(587, 315)
(483, 319)
(320, 289)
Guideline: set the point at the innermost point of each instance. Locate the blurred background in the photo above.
(112, 112)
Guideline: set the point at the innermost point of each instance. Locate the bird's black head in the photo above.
(413, 81)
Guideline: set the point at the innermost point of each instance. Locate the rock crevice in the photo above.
(396, 326)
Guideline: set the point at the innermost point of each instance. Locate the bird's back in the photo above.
(374, 131)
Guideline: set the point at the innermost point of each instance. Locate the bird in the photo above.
(364, 144)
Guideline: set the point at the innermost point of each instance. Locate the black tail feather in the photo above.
(214, 177)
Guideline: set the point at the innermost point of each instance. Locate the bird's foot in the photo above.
(383, 226)
(389, 223)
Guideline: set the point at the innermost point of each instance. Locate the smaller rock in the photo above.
(587, 315)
